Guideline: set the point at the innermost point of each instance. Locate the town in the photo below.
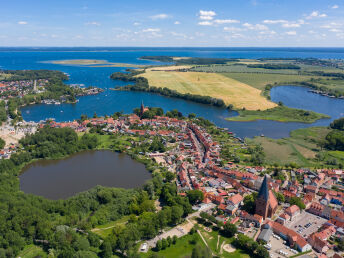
(302, 214)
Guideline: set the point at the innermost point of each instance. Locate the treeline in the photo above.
(190, 60)
(141, 84)
(306, 61)
(334, 140)
(253, 248)
(3, 113)
(126, 77)
(339, 76)
(17, 75)
(274, 66)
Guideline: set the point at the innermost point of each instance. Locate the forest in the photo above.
(17, 75)
(274, 66)
(190, 60)
(62, 227)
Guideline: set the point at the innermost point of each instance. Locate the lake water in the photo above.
(110, 101)
(59, 179)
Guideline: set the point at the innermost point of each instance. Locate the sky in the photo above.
(176, 23)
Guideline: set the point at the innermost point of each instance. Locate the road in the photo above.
(179, 231)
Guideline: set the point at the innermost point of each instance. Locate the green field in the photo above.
(241, 69)
(301, 148)
(260, 80)
(183, 248)
(281, 114)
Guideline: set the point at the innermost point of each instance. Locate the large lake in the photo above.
(59, 179)
(110, 101)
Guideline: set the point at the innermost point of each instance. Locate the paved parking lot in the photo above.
(304, 218)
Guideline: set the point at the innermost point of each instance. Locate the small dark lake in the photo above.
(59, 179)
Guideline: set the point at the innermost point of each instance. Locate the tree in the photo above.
(106, 249)
(164, 243)
(335, 140)
(176, 214)
(158, 245)
(195, 196)
(169, 241)
(192, 116)
(169, 176)
(229, 230)
(338, 124)
(280, 197)
(261, 252)
(249, 203)
(174, 239)
(297, 201)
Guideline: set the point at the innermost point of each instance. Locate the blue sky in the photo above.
(227, 23)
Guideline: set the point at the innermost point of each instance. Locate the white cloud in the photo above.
(160, 16)
(291, 33)
(316, 14)
(335, 7)
(151, 30)
(206, 17)
(177, 22)
(255, 27)
(232, 29)
(274, 21)
(335, 30)
(207, 13)
(226, 21)
(136, 23)
(205, 23)
(268, 32)
(179, 35)
(93, 23)
(22, 22)
(290, 25)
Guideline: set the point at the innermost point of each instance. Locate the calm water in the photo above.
(56, 179)
(109, 101)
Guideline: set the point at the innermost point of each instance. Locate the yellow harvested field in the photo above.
(231, 91)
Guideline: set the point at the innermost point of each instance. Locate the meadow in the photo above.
(280, 113)
(301, 148)
(231, 91)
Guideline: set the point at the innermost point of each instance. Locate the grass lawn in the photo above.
(31, 251)
(183, 248)
(104, 230)
(281, 114)
(232, 91)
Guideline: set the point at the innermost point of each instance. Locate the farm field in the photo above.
(260, 80)
(234, 92)
(300, 148)
(241, 69)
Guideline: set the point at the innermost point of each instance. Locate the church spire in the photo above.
(264, 190)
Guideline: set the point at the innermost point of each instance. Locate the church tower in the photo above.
(266, 203)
